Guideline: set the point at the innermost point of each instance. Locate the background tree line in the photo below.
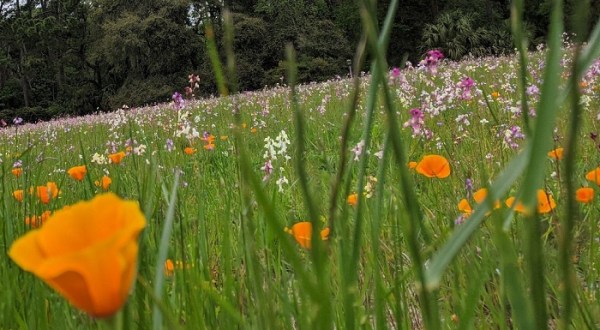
(60, 57)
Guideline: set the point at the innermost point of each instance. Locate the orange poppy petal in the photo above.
(556, 153)
(518, 208)
(464, 206)
(546, 202)
(594, 176)
(92, 264)
(434, 166)
(584, 194)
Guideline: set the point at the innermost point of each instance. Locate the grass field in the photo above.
(221, 182)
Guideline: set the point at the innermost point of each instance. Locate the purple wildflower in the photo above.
(358, 149)
(416, 122)
(18, 121)
(532, 90)
(268, 168)
(170, 145)
(459, 220)
(466, 85)
(178, 101)
(432, 59)
(512, 135)
(469, 187)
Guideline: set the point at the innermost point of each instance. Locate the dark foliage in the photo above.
(73, 57)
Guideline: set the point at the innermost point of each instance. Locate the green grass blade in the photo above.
(163, 249)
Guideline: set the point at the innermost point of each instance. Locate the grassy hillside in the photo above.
(222, 181)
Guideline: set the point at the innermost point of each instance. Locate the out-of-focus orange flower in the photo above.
(209, 146)
(412, 165)
(353, 199)
(556, 154)
(35, 221)
(47, 193)
(253, 130)
(169, 267)
(17, 171)
(584, 195)
(93, 265)
(495, 95)
(519, 207)
(434, 166)
(77, 172)
(465, 207)
(594, 176)
(117, 158)
(480, 195)
(583, 84)
(189, 151)
(545, 203)
(105, 182)
(302, 232)
(209, 139)
(18, 195)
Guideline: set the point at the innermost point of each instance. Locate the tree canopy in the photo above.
(60, 57)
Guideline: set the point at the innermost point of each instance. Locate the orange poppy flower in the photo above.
(36, 221)
(18, 195)
(519, 207)
(209, 146)
(189, 150)
(353, 199)
(117, 158)
(412, 165)
(556, 154)
(594, 176)
(77, 172)
(17, 171)
(434, 166)
(253, 130)
(465, 207)
(47, 192)
(495, 95)
(104, 182)
(545, 202)
(92, 266)
(480, 195)
(210, 139)
(302, 232)
(584, 195)
(169, 267)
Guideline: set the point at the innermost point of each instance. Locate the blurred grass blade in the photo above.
(215, 61)
(512, 278)
(520, 40)
(542, 143)
(163, 249)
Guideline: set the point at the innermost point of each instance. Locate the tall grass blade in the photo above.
(163, 249)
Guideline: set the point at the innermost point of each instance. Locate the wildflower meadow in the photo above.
(438, 194)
